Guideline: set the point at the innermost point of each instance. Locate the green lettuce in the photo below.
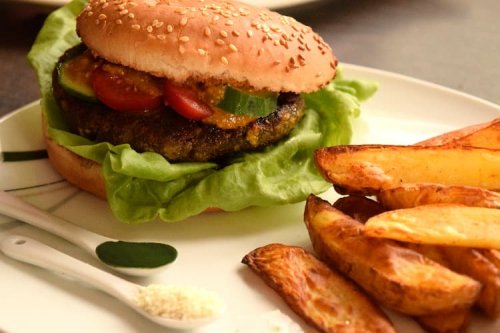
(143, 186)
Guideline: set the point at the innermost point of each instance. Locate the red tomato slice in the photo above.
(185, 101)
(126, 90)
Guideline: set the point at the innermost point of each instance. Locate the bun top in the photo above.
(208, 40)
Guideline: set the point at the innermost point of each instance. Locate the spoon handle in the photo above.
(18, 209)
(36, 253)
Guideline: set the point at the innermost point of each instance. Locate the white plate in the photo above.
(263, 3)
(210, 246)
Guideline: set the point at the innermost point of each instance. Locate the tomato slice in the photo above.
(185, 101)
(124, 89)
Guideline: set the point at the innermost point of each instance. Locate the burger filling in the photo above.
(189, 121)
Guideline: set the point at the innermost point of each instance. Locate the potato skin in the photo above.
(412, 195)
(397, 277)
(320, 295)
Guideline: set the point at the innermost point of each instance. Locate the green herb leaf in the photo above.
(136, 255)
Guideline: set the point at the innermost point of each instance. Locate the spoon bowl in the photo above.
(34, 252)
(129, 258)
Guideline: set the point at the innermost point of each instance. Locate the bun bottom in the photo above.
(81, 172)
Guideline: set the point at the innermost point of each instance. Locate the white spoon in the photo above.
(31, 251)
(131, 258)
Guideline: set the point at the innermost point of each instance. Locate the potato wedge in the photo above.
(472, 263)
(320, 295)
(359, 208)
(397, 277)
(367, 169)
(453, 322)
(412, 195)
(486, 135)
(441, 224)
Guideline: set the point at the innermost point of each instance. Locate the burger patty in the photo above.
(177, 138)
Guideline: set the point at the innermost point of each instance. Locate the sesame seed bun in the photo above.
(211, 40)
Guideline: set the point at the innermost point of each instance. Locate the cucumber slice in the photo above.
(74, 76)
(242, 103)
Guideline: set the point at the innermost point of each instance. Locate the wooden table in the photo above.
(455, 43)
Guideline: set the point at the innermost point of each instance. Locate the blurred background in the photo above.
(455, 43)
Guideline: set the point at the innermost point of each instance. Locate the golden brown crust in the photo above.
(208, 40)
(320, 295)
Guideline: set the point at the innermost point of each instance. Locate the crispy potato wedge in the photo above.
(397, 277)
(412, 195)
(367, 169)
(486, 135)
(359, 208)
(453, 322)
(320, 295)
(441, 224)
(472, 263)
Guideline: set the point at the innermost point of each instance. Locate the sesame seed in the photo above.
(184, 20)
(207, 31)
(233, 47)
(224, 60)
(105, 5)
(161, 36)
(170, 28)
(249, 33)
(229, 22)
(149, 28)
(124, 12)
(235, 33)
(102, 16)
(184, 39)
(223, 33)
(220, 42)
(90, 13)
(182, 50)
(136, 26)
(131, 15)
(202, 52)
(118, 21)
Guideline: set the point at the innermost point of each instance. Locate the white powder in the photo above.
(179, 302)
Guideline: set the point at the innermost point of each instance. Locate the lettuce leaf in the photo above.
(144, 186)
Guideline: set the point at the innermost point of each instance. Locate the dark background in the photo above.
(455, 43)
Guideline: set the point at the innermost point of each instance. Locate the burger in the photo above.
(173, 107)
